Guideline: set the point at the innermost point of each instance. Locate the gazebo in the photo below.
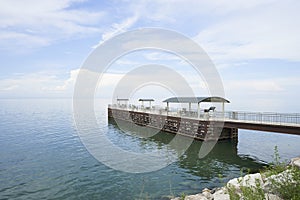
(196, 100)
(146, 100)
(125, 101)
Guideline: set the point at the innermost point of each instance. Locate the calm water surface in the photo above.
(41, 157)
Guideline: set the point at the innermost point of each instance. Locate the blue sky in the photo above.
(255, 45)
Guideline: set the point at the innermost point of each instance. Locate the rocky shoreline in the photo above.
(258, 181)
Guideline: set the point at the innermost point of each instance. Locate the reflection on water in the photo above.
(222, 159)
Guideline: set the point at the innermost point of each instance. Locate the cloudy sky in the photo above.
(255, 45)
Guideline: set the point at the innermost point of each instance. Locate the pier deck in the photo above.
(200, 126)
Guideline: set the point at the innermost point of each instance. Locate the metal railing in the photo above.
(262, 117)
(288, 119)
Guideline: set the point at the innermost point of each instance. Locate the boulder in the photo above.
(206, 190)
(279, 178)
(296, 162)
(272, 197)
(221, 194)
(220, 191)
(195, 197)
(207, 193)
(221, 197)
(247, 181)
(217, 190)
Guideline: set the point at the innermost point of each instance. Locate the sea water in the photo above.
(42, 157)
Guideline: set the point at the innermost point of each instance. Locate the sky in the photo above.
(254, 45)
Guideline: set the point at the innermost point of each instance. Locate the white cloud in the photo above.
(7, 87)
(262, 95)
(69, 82)
(122, 61)
(266, 95)
(179, 10)
(27, 85)
(110, 79)
(255, 85)
(37, 13)
(229, 30)
(265, 32)
(40, 22)
(118, 28)
(49, 84)
(10, 38)
(161, 56)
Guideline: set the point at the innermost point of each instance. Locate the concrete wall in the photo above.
(198, 129)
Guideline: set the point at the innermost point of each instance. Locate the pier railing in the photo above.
(261, 117)
(288, 119)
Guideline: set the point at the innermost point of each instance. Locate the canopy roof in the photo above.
(122, 99)
(196, 99)
(146, 99)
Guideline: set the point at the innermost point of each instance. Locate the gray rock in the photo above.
(248, 180)
(220, 191)
(272, 197)
(221, 196)
(206, 190)
(195, 197)
(215, 189)
(208, 195)
(281, 177)
(296, 162)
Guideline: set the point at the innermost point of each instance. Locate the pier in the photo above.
(202, 124)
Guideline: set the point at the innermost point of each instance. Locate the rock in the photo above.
(215, 190)
(206, 190)
(279, 178)
(195, 197)
(221, 197)
(272, 197)
(248, 180)
(208, 195)
(220, 191)
(296, 162)
(220, 194)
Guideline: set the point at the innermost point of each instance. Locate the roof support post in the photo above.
(198, 110)
(146, 100)
(122, 102)
(167, 107)
(223, 107)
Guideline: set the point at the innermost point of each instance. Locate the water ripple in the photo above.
(41, 157)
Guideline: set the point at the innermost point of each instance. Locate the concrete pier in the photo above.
(195, 128)
(202, 124)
